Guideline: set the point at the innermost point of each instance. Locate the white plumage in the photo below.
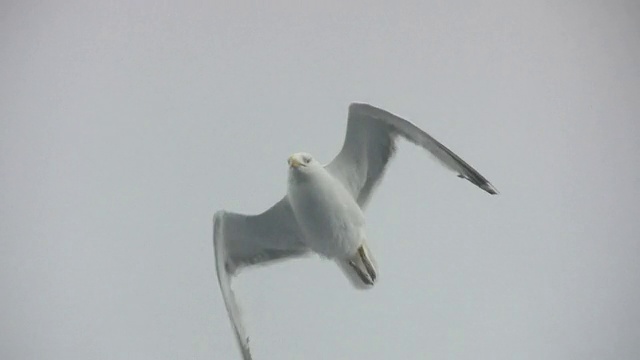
(322, 211)
(330, 219)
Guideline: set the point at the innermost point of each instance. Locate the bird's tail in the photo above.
(360, 268)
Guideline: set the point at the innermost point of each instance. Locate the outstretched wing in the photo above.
(370, 144)
(241, 240)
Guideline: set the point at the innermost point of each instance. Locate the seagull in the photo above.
(322, 212)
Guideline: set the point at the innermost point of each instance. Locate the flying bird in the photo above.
(322, 210)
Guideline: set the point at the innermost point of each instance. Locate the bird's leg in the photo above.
(363, 276)
(363, 266)
(366, 260)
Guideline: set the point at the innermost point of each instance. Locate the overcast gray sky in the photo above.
(126, 124)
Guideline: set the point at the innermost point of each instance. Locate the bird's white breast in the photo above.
(329, 217)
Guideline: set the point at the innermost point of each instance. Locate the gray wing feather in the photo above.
(370, 143)
(241, 240)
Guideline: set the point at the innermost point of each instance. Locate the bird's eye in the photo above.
(307, 159)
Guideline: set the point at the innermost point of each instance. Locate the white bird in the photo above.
(322, 210)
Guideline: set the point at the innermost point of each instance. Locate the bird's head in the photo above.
(302, 162)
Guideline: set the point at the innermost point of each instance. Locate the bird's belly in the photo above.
(332, 223)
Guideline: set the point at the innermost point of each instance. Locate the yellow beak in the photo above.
(293, 162)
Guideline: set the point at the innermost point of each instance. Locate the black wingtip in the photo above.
(480, 182)
(489, 188)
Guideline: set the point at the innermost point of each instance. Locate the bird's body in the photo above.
(322, 211)
(331, 221)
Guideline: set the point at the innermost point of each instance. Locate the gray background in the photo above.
(125, 125)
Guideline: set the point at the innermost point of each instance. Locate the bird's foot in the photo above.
(363, 266)
(366, 260)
